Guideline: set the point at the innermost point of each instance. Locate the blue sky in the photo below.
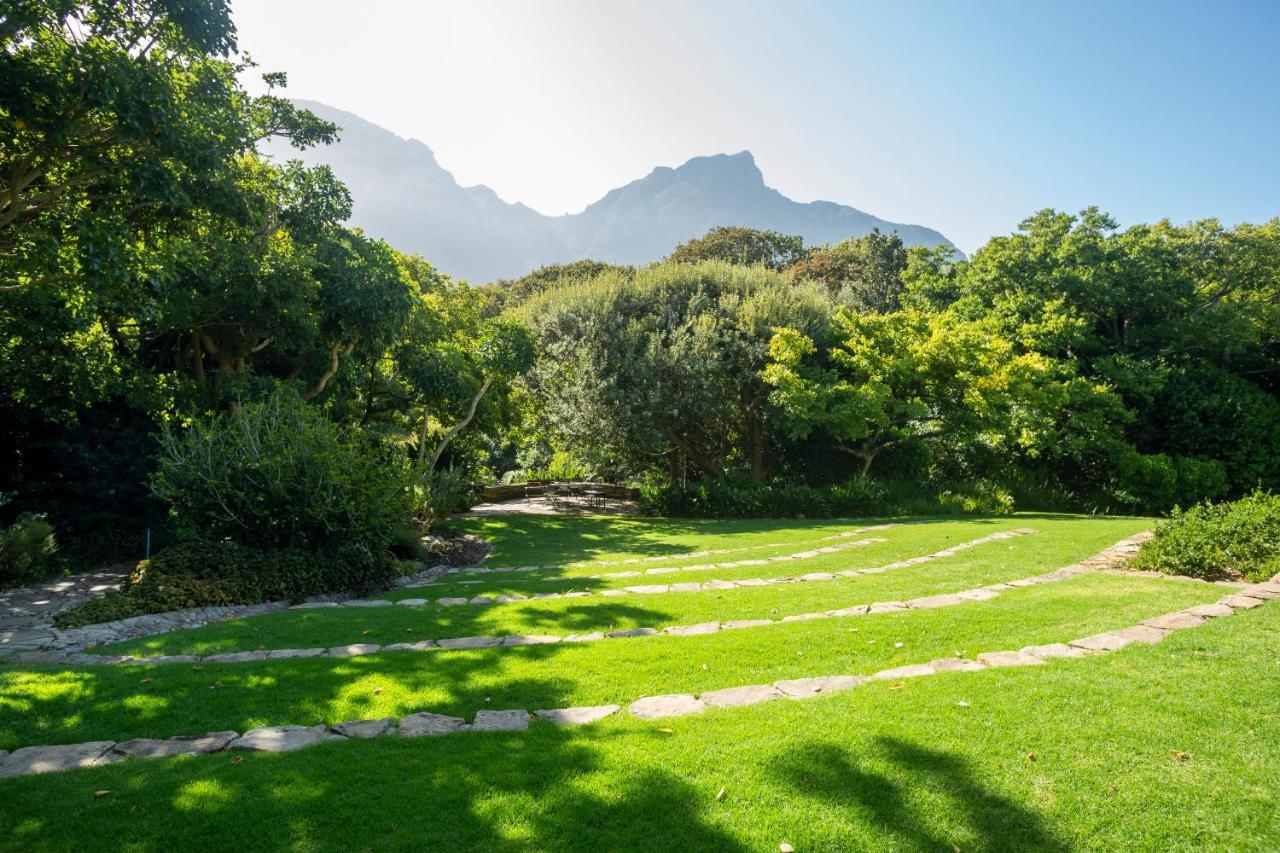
(963, 116)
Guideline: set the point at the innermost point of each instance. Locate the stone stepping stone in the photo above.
(1258, 591)
(733, 697)
(886, 607)
(367, 602)
(860, 610)
(955, 665)
(584, 638)
(101, 659)
(501, 721)
(673, 705)
(719, 585)
(930, 601)
(1142, 634)
(577, 716)
(363, 729)
(426, 724)
(1176, 621)
(287, 654)
(632, 632)
(914, 670)
(50, 759)
(469, 642)
(978, 595)
(690, 630)
(1210, 611)
(746, 623)
(1054, 650)
(529, 640)
(182, 745)
(282, 738)
(807, 688)
(1104, 642)
(411, 602)
(452, 602)
(354, 650)
(237, 657)
(1009, 659)
(649, 589)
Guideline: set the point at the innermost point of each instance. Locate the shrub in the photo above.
(1240, 539)
(279, 475)
(439, 494)
(28, 551)
(215, 574)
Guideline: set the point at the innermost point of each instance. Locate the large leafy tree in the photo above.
(742, 246)
(865, 272)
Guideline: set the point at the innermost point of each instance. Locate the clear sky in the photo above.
(963, 116)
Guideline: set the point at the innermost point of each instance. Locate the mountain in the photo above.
(404, 196)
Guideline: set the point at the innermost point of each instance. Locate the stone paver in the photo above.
(1010, 659)
(354, 649)
(501, 721)
(1054, 650)
(282, 738)
(577, 716)
(49, 759)
(955, 665)
(914, 670)
(363, 729)
(690, 630)
(469, 642)
(529, 640)
(1176, 621)
(1210, 611)
(428, 724)
(806, 688)
(673, 705)
(1241, 602)
(732, 697)
(182, 745)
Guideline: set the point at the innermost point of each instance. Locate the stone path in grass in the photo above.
(1106, 559)
(26, 612)
(43, 759)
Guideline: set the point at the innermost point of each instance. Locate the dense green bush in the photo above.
(1240, 539)
(279, 475)
(211, 574)
(729, 498)
(28, 551)
(439, 494)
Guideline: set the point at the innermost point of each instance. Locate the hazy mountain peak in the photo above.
(405, 196)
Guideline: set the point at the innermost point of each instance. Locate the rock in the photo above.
(817, 576)
(469, 642)
(577, 716)
(632, 632)
(1053, 650)
(1009, 659)
(977, 595)
(805, 688)
(746, 623)
(886, 607)
(452, 602)
(584, 638)
(672, 705)
(732, 697)
(719, 585)
(500, 721)
(140, 661)
(1100, 643)
(1209, 611)
(649, 589)
(411, 602)
(803, 617)
(282, 738)
(1260, 591)
(364, 729)
(237, 657)
(428, 724)
(286, 654)
(367, 602)
(688, 630)
(914, 670)
(1142, 634)
(482, 599)
(529, 640)
(1240, 601)
(752, 582)
(859, 610)
(182, 745)
(354, 649)
(49, 759)
(687, 586)
(934, 601)
(955, 665)
(314, 605)
(1176, 621)
(40, 657)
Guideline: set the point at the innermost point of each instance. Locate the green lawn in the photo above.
(1174, 746)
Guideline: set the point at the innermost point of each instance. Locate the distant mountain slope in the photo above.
(404, 196)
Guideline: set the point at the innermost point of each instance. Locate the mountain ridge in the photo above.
(402, 194)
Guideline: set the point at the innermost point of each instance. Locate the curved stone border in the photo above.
(1105, 560)
(43, 759)
(661, 558)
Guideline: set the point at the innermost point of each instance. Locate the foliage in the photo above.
(864, 273)
(742, 246)
(217, 574)
(279, 475)
(28, 551)
(508, 294)
(439, 494)
(1238, 539)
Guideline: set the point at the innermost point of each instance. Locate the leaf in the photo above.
(784, 847)
(236, 759)
(146, 680)
(898, 686)
(720, 794)
(962, 704)
(97, 795)
(665, 730)
(1178, 755)
(1031, 756)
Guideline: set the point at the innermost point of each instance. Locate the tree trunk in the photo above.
(422, 436)
(460, 425)
(704, 463)
(329, 371)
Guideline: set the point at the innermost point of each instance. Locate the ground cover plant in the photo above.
(1240, 539)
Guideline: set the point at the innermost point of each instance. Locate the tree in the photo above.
(742, 246)
(864, 272)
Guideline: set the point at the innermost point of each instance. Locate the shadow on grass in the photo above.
(534, 790)
(882, 786)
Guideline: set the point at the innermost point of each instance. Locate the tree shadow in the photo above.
(826, 771)
(533, 790)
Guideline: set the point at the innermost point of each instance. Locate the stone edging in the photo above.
(1104, 560)
(43, 759)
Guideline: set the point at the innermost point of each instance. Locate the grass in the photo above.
(1059, 543)
(1171, 747)
(870, 769)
